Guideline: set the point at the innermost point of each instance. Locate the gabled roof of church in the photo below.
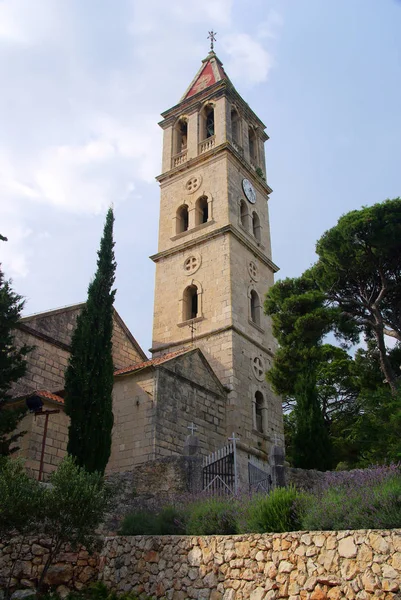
(153, 362)
(56, 326)
(210, 72)
(189, 370)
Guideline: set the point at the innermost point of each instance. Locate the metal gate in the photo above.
(259, 479)
(220, 474)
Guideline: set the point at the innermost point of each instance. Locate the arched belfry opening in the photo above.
(253, 146)
(259, 404)
(244, 214)
(181, 135)
(182, 219)
(235, 127)
(256, 228)
(255, 308)
(207, 122)
(190, 303)
(201, 210)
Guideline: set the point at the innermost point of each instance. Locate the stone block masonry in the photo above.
(356, 565)
(319, 565)
(72, 570)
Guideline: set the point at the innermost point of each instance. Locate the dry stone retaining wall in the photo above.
(71, 570)
(356, 565)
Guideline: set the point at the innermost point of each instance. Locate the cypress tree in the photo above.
(89, 375)
(311, 444)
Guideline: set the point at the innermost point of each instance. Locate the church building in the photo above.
(212, 343)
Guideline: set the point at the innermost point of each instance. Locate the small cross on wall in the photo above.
(192, 428)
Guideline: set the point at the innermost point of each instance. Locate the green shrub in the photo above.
(169, 521)
(276, 512)
(20, 499)
(73, 508)
(213, 516)
(139, 522)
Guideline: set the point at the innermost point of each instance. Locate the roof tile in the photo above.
(152, 362)
(48, 396)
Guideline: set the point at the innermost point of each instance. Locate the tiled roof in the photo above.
(152, 362)
(210, 72)
(48, 396)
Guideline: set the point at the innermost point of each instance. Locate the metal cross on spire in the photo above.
(212, 38)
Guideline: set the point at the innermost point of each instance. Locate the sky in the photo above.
(82, 86)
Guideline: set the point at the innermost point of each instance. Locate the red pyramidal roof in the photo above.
(210, 72)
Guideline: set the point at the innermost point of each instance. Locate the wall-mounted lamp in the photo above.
(34, 403)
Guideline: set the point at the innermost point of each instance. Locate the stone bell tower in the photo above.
(213, 265)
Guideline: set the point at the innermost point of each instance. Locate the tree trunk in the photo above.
(385, 364)
(53, 552)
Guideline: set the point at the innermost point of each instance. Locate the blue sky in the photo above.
(83, 84)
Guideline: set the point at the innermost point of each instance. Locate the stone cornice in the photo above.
(202, 239)
(225, 146)
(190, 340)
(43, 336)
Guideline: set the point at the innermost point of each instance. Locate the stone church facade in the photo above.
(212, 342)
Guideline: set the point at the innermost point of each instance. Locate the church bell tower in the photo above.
(214, 264)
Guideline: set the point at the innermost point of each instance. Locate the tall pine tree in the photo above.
(89, 375)
(12, 362)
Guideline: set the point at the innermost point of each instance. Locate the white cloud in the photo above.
(216, 12)
(26, 22)
(270, 27)
(249, 61)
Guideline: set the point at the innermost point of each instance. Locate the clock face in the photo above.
(249, 191)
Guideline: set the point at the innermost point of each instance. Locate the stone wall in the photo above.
(189, 392)
(356, 565)
(72, 570)
(56, 441)
(133, 431)
(45, 366)
(126, 350)
(152, 484)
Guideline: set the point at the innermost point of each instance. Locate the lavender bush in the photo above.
(277, 512)
(214, 516)
(167, 520)
(365, 499)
